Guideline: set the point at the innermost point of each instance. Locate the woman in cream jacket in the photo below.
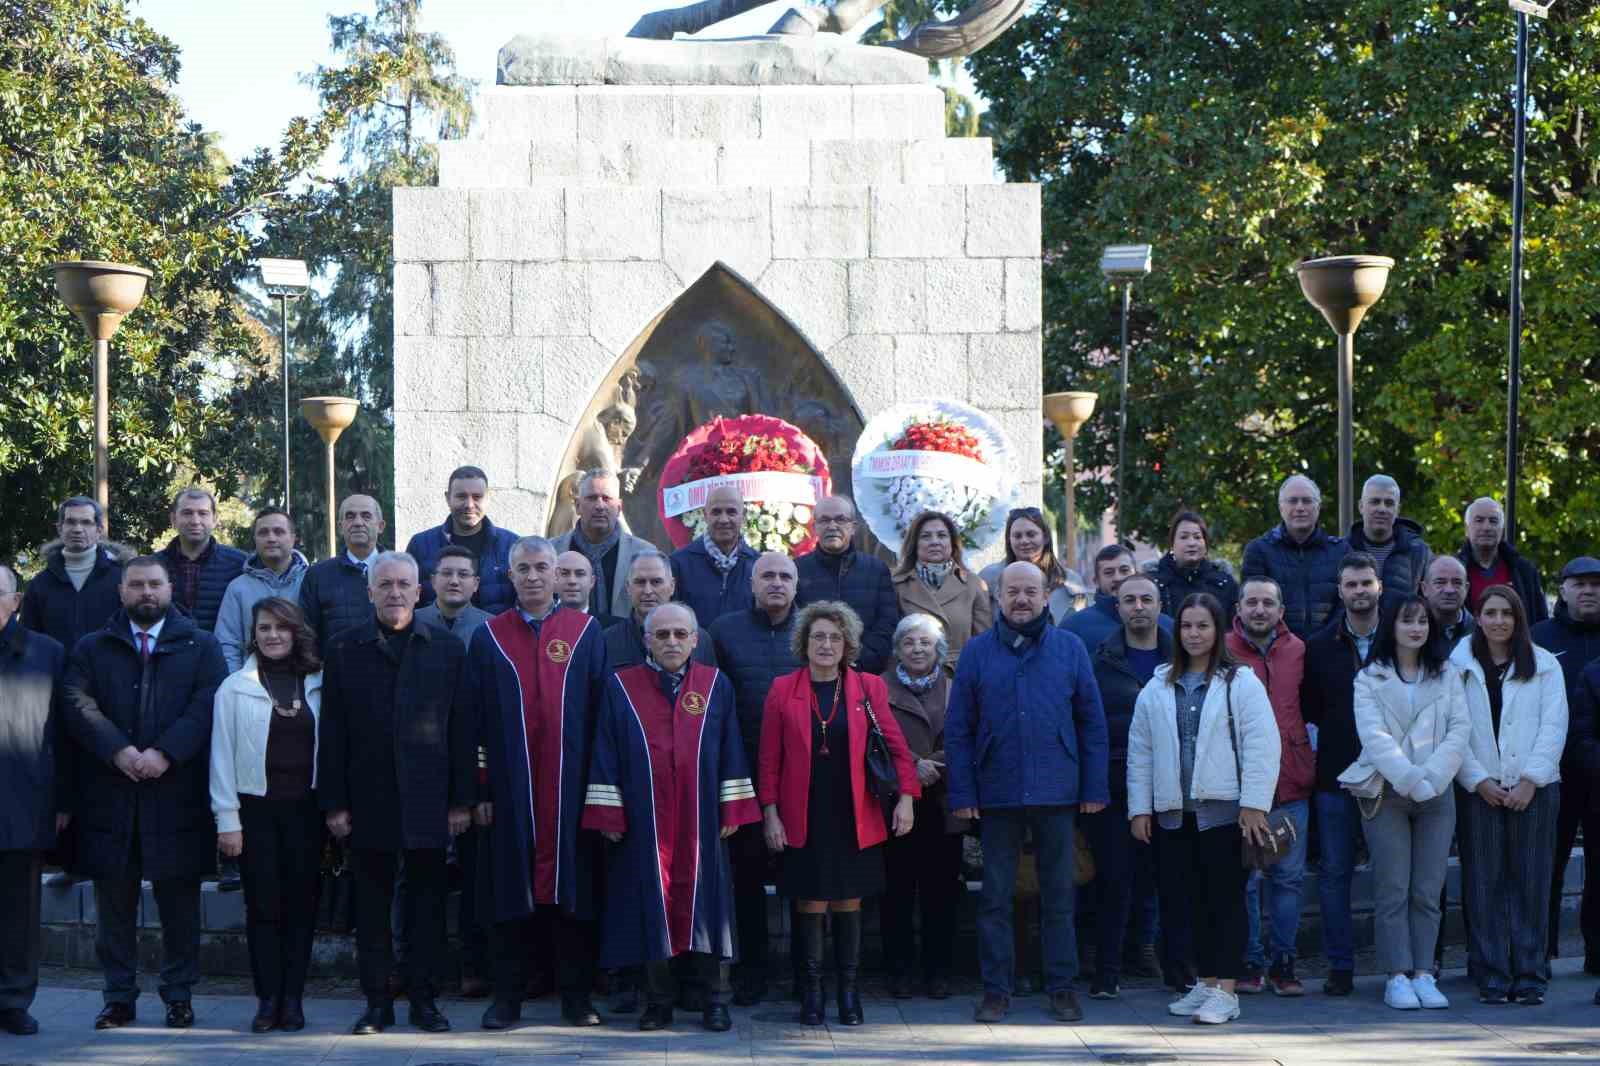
(1411, 715)
(263, 776)
(1517, 701)
(1203, 754)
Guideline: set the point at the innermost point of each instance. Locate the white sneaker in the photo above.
(1399, 994)
(1190, 1002)
(1427, 991)
(1219, 1007)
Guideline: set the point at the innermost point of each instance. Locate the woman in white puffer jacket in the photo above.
(1517, 701)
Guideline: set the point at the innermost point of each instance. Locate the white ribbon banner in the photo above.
(944, 466)
(768, 486)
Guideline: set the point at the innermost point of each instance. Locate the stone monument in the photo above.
(643, 234)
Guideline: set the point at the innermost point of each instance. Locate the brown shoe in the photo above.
(994, 1008)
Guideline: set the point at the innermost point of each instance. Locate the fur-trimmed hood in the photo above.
(120, 553)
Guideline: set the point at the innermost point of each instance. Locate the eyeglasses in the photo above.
(831, 520)
(670, 634)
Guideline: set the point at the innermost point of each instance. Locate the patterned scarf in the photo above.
(723, 563)
(933, 574)
(919, 685)
(600, 596)
(670, 682)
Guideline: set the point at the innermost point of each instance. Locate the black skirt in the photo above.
(831, 866)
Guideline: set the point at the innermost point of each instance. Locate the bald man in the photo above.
(712, 572)
(333, 593)
(575, 585)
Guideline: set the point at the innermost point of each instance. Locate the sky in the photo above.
(242, 65)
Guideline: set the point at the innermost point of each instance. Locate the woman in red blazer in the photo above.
(814, 795)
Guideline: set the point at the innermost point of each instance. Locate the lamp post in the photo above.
(1069, 411)
(1123, 264)
(1342, 287)
(100, 294)
(331, 415)
(287, 279)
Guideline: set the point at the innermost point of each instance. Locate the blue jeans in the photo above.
(1338, 823)
(1279, 886)
(1002, 830)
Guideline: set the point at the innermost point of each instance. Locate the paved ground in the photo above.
(1132, 1030)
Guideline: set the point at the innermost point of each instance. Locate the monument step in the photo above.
(692, 162)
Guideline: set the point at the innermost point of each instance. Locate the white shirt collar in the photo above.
(154, 631)
(359, 562)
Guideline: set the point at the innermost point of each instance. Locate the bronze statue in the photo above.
(600, 445)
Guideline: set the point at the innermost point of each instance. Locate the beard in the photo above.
(146, 614)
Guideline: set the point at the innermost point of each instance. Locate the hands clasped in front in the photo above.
(137, 765)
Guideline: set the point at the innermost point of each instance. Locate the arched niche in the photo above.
(719, 349)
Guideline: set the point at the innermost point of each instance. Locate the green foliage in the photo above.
(1239, 138)
(98, 161)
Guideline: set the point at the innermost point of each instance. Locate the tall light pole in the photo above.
(287, 279)
(1069, 411)
(1523, 8)
(1124, 264)
(331, 415)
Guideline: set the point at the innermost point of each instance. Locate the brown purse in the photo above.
(1280, 825)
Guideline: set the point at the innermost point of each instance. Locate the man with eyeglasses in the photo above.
(669, 785)
(1300, 557)
(836, 571)
(77, 591)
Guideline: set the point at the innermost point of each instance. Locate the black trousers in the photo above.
(747, 849)
(1207, 870)
(280, 868)
(425, 889)
(661, 986)
(116, 938)
(1580, 806)
(922, 871)
(520, 945)
(19, 929)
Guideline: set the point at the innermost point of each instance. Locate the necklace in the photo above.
(833, 710)
(291, 711)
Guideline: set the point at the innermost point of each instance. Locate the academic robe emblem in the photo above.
(558, 650)
(694, 703)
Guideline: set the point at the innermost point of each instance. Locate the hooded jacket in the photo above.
(254, 584)
(495, 592)
(1575, 645)
(1407, 562)
(1208, 575)
(1281, 670)
(1415, 736)
(1533, 723)
(1100, 619)
(1307, 572)
(1524, 578)
(64, 614)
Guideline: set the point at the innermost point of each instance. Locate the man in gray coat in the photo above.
(455, 582)
(275, 569)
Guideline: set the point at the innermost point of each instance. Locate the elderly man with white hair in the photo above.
(1491, 561)
(1300, 557)
(1397, 544)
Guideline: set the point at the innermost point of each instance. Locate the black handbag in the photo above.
(1279, 822)
(883, 781)
(336, 904)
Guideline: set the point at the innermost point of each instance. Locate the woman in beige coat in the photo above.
(931, 578)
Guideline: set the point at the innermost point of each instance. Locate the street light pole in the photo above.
(1518, 189)
(287, 279)
(1122, 264)
(283, 318)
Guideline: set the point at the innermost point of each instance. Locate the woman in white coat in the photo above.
(263, 777)
(1203, 754)
(1517, 701)
(1411, 714)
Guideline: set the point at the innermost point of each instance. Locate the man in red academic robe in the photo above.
(670, 783)
(535, 675)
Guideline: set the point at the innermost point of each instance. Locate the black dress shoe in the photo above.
(18, 1022)
(750, 989)
(625, 998)
(656, 1016)
(425, 1015)
(374, 1020)
(114, 1016)
(180, 1015)
(716, 1019)
(292, 1018)
(266, 1018)
(938, 987)
(577, 1010)
(500, 1016)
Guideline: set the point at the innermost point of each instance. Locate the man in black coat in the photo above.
(201, 569)
(77, 590)
(138, 706)
(395, 765)
(1491, 561)
(1395, 543)
(32, 806)
(712, 572)
(754, 649)
(836, 571)
(333, 594)
(1300, 557)
(650, 584)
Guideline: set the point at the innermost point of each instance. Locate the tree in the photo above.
(343, 331)
(1245, 136)
(97, 160)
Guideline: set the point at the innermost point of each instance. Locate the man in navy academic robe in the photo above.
(535, 674)
(669, 782)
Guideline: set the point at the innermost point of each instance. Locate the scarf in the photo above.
(670, 682)
(600, 596)
(723, 563)
(1015, 636)
(933, 574)
(918, 685)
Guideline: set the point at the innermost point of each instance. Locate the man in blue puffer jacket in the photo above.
(1300, 557)
(201, 568)
(467, 493)
(1025, 739)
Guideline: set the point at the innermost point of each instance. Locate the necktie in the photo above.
(144, 647)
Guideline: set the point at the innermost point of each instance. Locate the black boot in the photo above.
(292, 1018)
(847, 960)
(810, 930)
(266, 1018)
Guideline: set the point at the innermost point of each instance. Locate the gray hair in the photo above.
(648, 554)
(650, 615)
(1381, 481)
(1284, 485)
(81, 501)
(383, 558)
(1466, 516)
(8, 576)
(924, 623)
(590, 475)
(524, 545)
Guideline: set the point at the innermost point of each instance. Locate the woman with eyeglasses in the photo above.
(1028, 540)
(1517, 700)
(817, 809)
(932, 578)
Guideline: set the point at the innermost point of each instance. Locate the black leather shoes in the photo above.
(625, 998)
(18, 1022)
(425, 1015)
(266, 1018)
(655, 1016)
(577, 1010)
(500, 1016)
(292, 1018)
(374, 1020)
(180, 1015)
(114, 1016)
(716, 1019)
